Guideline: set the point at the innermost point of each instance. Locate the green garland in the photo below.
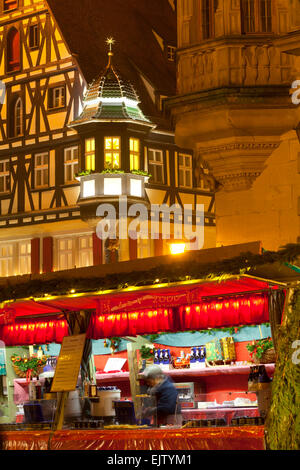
(259, 347)
(166, 273)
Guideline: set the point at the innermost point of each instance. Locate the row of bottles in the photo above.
(162, 356)
(198, 354)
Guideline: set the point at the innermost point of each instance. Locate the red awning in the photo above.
(147, 298)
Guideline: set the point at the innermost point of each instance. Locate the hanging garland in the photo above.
(166, 273)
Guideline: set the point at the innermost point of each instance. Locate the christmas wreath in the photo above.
(28, 366)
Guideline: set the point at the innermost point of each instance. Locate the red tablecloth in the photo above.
(227, 438)
(24, 440)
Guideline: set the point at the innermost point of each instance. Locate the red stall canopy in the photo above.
(132, 311)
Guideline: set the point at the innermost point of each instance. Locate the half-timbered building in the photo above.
(65, 113)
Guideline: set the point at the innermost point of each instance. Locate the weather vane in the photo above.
(110, 42)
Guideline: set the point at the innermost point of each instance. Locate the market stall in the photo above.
(221, 411)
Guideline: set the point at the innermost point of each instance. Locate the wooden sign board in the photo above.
(68, 364)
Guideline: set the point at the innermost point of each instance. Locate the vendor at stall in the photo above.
(166, 395)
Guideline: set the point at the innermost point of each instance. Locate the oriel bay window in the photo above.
(41, 170)
(134, 148)
(90, 155)
(112, 152)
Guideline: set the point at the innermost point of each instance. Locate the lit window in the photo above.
(65, 254)
(4, 176)
(25, 257)
(71, 164)
(185, 170)
(15, 258)
(57, 97)
(134, 145)
(144, 247)
(34, 36)
(156, 166)
(112, 152)
(112, 186)
(6, 259)
(89, 188)
(256, 16)
(74, 252)
(90, 156)
(171, 53)
(85, 251)
(135, 188)
(41, 170)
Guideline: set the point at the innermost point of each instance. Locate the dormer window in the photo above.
(112, 152)
(134, 147)
(10, 5)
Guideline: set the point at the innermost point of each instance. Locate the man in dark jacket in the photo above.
(166, 395)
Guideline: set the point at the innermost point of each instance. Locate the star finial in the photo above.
(110, 42)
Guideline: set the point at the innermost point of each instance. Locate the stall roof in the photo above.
(210, 272)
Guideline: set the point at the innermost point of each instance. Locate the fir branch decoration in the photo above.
(60, 285)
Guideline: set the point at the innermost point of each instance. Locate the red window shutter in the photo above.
(35, 256)
(158, 246)
(48, 255)
(133, 249)
(97, 250)
(13, 49)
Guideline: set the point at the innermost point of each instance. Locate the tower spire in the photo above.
(110, 41)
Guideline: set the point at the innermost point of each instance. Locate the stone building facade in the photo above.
(236, 63)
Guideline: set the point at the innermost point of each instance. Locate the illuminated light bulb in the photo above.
(188, 309)
(73, 291)
(177, 248)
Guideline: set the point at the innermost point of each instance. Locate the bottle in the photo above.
(156, 357)
(166, 356)
(38, 389)
(263, 378)
(32, 391)
(86, 387)
(197, 355)
(161, 355)
(193, 354)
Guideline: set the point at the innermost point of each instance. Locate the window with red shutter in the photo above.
(13, 50)
(10, 5)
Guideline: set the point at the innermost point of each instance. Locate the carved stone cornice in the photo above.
(236, 164)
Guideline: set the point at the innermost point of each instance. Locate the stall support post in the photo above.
(60, 411)
(133, 377)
